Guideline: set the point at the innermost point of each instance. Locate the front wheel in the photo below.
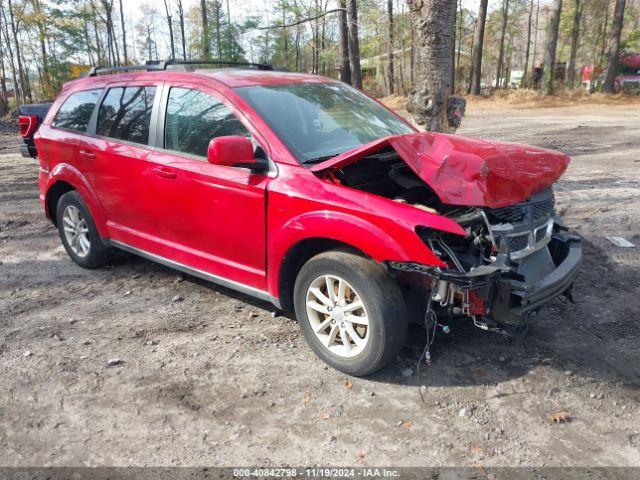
(350, 311)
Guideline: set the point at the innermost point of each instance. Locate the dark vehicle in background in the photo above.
(30, 118)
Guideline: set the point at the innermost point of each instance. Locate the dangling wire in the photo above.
(429, 317)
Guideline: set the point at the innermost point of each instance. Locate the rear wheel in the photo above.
(350, 311)
(78, 232)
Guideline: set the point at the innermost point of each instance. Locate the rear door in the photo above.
(212, 217)
(118, 152)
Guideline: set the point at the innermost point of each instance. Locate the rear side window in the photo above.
(125, 114)
(194, 118)
(75, 112)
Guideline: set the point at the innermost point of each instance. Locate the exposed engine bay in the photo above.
(502, 271)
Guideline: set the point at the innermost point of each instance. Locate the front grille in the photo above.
(542, 210)
(538, 209)
(516, 223)
(513, 214)
(518, 242)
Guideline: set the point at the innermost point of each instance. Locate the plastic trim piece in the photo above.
(239, 287)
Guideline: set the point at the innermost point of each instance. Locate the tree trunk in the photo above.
(170, 24)
(614, 46)
(434, 28)
(24, 78)
(182, 35)
(232, 53)
(535, 46)
(472, 54)
(345, 65)
(95, 33)
(206, 39)
(550, 53)
(503, 31)
(216, 17)
(523, 82)
(3, 85)
(124, 36)
(478, 47)
(87, 41)
(460, 22)
(354, 44)
(603, 45)
(575, 35)
(47, 87)
(390, 74)
(14, 71)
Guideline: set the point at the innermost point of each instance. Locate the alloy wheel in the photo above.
(337, 316)
(76, 230)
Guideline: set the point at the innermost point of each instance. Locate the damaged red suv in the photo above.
(303, 192)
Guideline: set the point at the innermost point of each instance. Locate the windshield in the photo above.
(321, 120)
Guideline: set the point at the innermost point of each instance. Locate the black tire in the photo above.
(98, 253)
(383, 302)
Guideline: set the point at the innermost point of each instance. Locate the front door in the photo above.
(212, 217)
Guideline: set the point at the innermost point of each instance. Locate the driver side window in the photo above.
(193, 118)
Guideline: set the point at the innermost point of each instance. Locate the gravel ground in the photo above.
(9, 140)
(218, 378)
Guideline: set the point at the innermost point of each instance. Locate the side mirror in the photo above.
(234, 151)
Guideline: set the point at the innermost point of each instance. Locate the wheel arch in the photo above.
(65, 178)
(297, 255)
(52, 197)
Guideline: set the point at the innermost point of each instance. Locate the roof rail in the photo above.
(166, 63)
(155, 65)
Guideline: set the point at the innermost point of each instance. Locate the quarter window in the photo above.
(125, 114)
(193, 118)
(75, 112)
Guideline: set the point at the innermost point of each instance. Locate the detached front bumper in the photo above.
(497, 296)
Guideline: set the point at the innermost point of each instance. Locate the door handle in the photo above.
(87, 154)
(164, 172)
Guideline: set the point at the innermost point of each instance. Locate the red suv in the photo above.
(306, 193)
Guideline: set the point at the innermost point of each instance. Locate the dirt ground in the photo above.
(216, 379)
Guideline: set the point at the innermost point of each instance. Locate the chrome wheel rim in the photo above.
(76, 231)
(337, 316)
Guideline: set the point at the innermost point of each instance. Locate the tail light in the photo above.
(28, 125)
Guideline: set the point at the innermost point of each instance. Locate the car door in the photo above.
(212, 217)
(118, 152)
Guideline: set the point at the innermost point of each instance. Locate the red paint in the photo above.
(230, 151)
(468, 171)
(27, 125)
(632, 60)
(241, 224)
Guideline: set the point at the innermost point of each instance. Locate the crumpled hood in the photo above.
(467, 171)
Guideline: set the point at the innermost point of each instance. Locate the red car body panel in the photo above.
(240, 225)
(468, 171)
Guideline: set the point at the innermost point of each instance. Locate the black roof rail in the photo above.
(259, 66)
(155, 65)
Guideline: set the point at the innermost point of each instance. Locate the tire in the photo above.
(383, 308)
(87, 249)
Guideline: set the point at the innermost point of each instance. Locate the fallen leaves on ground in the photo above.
(348, 384)
(560, 417)
(406, 424)
(306, 398)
